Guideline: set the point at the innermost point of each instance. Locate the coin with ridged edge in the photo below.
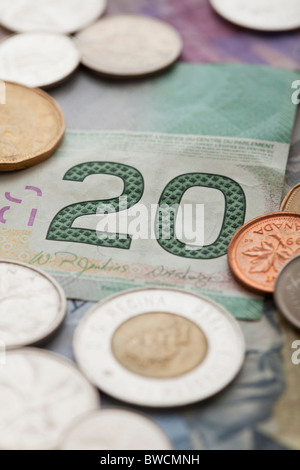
(41, 394)
(56, 16)
(31, 127)
(159, 347)
(37, 59)
(287, 291)
(262, 15)
(32, 305)
(129, 46)
(291, 202)
(261, 247)
(115, 429)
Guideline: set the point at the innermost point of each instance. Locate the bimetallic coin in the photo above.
(31, 127)
(115, 429)
(129, 46)
(263, 15)
(57, 16)
(32, 305)
(291, 202)
(37, 59)
(260, 248)
(159, 347)
(40, 396)
(287, 291)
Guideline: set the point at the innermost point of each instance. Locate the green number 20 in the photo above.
(235, 207)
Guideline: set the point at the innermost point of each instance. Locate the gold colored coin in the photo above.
(291, 202)
(159, 345)
(31, 127)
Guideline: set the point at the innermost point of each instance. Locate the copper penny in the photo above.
(291, 202)
(31, 127)
(260, 248)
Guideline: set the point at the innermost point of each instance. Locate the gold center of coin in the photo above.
(159, 345)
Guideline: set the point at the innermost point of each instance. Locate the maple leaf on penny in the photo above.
(264, 257)
(268, 255)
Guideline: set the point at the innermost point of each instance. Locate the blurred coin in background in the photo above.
(37, 59)
(31, 127)
(115, 429)
(55, 16)
(287, 291)
(263, 15)
(159, 347)
(129, 46)
(40, 395)
(291, 202)
(32, 305)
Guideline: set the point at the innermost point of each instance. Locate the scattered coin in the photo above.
(37, 59)
(115, 429)
(129, 46)
(260, 248)
(287, 291)
(57, 16)
(263, 15)
(159, 347)
(31, 127)
(40, 395)
(32, 305)
(291, 202)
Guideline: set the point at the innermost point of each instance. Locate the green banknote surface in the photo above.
(212, 138)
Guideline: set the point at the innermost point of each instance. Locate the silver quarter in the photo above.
(37, 59)
(287, 291)
(115, 429)
(32, 305)
(40, 395)
(56, 16)
(105, 335)
(129, 46)
(263, 15)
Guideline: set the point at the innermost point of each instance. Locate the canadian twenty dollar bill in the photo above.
(114, 210)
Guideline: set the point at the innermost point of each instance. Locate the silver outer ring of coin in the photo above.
(237, 12)
(33, 340)
(140, 432)
(287, 291)
(224, 359)
(23, 17)
(87, 398)
(13, 50)
(93, 61)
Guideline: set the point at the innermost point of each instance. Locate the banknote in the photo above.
(94, 214)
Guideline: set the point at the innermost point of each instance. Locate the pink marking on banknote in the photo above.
(12, 199)
(2, 212)
(34, 188)
(32, 217)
